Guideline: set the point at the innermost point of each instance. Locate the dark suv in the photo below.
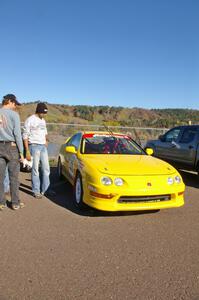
(179, 146)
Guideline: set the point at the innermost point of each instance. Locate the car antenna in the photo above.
(109, 131)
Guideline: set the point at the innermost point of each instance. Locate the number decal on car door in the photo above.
(71, 166)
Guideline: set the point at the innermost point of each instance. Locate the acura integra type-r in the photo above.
(111, 172)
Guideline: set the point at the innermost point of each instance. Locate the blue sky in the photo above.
(132, 53)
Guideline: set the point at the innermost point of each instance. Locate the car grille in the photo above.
(155, 198)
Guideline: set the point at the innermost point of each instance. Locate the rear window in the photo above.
(188, 135)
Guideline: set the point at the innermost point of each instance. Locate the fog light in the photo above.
(92, 188)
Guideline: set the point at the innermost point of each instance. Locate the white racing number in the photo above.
(71, 165)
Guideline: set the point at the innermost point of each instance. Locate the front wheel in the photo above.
(78, 192)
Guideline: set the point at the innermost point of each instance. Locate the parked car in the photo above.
(111, 172)
(179, 146)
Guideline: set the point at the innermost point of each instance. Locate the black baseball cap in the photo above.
(41, 108)
(12, 99)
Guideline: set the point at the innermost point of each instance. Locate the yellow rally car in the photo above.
(111, 172)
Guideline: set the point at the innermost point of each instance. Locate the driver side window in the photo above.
(172, 135)
(188, 135)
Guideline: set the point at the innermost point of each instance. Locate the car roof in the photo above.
(185, 126)
(103, 132)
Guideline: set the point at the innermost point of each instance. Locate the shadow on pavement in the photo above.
(25, 188)
(64, 195)
(190, 179)
(64, 198)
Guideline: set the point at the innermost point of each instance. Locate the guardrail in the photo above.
(58, 133)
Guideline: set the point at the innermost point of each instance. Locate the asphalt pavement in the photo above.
(50, 250)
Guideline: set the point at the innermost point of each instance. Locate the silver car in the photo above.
(179, 146)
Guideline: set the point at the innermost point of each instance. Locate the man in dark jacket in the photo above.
(11, 149)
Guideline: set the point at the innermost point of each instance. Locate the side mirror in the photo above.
(161, 138)
(70, 149)
(149, 151)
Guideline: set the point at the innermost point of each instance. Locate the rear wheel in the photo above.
(78, 192)
(197, 169)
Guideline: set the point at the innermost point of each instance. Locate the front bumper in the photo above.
(114, 205)
(154, 198)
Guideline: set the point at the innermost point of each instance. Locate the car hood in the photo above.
(152, 142)
(129, 165)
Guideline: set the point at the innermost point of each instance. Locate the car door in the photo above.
(187, 147)
(71, 158)
(166, 147)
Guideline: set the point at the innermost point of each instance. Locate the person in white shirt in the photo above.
(35, 144)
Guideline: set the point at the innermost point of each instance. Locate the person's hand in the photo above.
(21, 159)
(28, 155)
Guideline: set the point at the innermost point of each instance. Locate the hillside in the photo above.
(114, 116)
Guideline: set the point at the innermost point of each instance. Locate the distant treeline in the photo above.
(115, 116)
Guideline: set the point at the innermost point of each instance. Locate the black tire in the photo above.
(197, 169)
(78, 192)
(59, 169)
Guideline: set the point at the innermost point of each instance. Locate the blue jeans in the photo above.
(40, 169)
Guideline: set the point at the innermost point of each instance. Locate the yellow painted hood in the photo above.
(129, 165)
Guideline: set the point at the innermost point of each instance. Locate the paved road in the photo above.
(49, 250)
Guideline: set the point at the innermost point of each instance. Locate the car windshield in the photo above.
(109, 144)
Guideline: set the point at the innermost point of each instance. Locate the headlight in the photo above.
(106, 180)
(177, 179)
(118, 181)
(170, 180)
